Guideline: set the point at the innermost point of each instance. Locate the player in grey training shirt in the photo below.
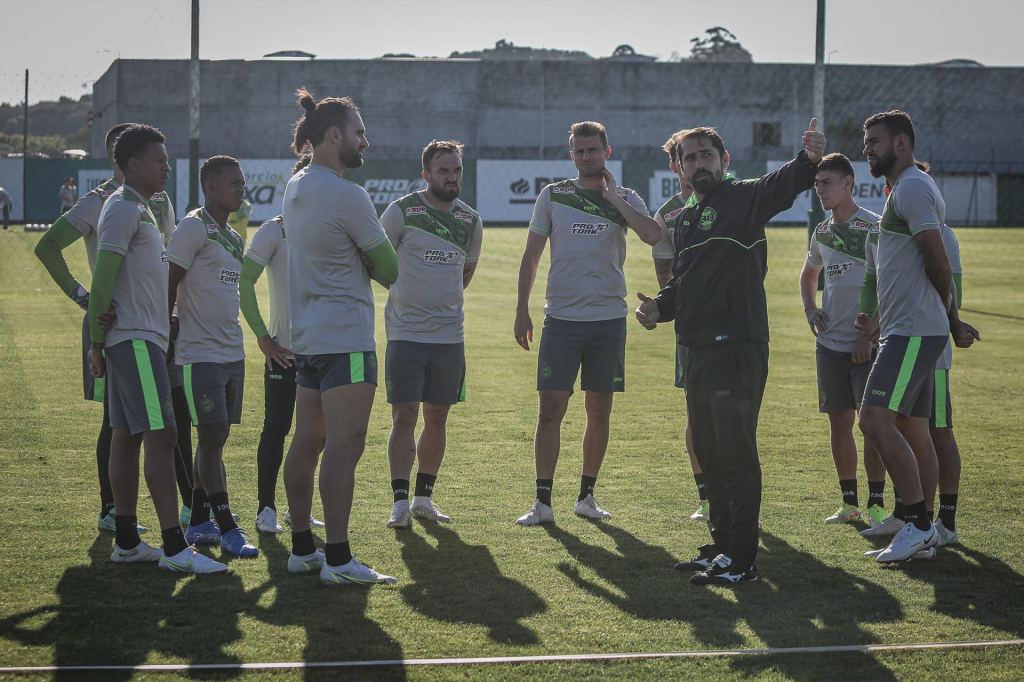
(437, 238)
(204, 264)
(843, 357)
(914, 280)
(332, 225)
(586, 219)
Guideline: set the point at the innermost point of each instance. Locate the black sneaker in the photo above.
(722, 572)
(705, 556)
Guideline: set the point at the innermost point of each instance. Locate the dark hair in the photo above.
(438, 147)
(671, 146)
(922, 166)
(132, 143)
(213, 165)
(302, 163)
(319, 118)
(112, 134)
(837, 162)
(704, 133)
(588, 129)
(896, 123)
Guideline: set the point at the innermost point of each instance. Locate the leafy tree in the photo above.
(719, 45)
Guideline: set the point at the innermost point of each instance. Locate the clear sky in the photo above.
(67, 44)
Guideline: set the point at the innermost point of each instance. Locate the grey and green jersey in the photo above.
(269, 248)
(433, 247)
(586, 282)
(127, 226)
(666, 219)
(953, 253)
(84, 216)
(330, 220)
(839, 249)
(908, 304)
(208, 327)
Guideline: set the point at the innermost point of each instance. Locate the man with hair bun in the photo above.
(437, 237)
(332, 225)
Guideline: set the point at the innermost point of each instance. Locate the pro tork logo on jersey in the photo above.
(229, 276)
(837, 269)
(588, 228)
(439, 256)
(707, 218)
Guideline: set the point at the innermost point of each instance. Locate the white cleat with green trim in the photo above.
(143, 552)
(306, 564)
(189, 560)
(353, 573)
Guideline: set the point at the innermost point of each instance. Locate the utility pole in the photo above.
(816, 213)
(24, 159)
(193, 113)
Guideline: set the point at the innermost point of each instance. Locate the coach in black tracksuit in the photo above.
(716, 297)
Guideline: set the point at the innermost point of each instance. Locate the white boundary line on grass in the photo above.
(185, 667)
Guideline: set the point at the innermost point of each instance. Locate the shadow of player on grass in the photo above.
(118, 615)
(335, 620)
(461, 583)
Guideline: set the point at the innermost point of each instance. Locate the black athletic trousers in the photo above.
(278, 408)
(724, 387)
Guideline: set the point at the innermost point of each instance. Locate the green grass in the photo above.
(484, 587)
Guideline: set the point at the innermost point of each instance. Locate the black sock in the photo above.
(917, 515)
(107, 508)
(126, 531)
(400, 487)
(222, 511)
(425, 484)
(200, 508)
(931, 515)
(587, 484)
(302, 543)
(897, 505)
(544, 490)
(947, 510)
(701, 492)
(338, 553)
(876, 493)
(174, 540)
(261, 505)
(849, 488)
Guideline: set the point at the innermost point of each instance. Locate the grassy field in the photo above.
(485, 587)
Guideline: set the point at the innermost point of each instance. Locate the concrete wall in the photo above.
(965, 117)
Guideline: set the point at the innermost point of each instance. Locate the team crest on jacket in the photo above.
(460, 235)
(855, 243)
(707, 218)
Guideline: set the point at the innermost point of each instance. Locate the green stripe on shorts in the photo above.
(99, 387)
(149, 392)
(186, 378)
(356, 369)
(462, 392)
(940, 400)
(906, 370)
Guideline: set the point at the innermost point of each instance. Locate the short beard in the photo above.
(703, 184)
(350, 158)
(883, 164)
(446, 195)
(592, 173)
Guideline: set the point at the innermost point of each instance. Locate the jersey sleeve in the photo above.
(170, 224)
(265, 243)
(85, 214)
(541, 220)
(186, 242)
(473, 254)
(915, 204)
(118, 226)
(637, 202)
(814, 253)
(870, 253)
(664, 249)
(393, 223)
(360, 220)
(952, 249)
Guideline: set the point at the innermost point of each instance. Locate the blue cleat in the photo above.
(206, 533)
(235, 542)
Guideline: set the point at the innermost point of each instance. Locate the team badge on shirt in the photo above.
(707, 218)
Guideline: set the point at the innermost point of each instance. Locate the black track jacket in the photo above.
(716, 293)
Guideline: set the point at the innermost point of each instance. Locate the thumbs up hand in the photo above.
(814, 142)
(647, 313)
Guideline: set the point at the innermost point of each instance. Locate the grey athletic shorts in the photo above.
(93, 388)
(942, 406)
(425, 372)
(324, 372)
(841, 382)
(600, 347)
(139, 393)
(681, 352)
(903, 375)
(214, 391)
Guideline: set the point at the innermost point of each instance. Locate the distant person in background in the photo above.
(68, 195)
(5, 204)
(239, 220)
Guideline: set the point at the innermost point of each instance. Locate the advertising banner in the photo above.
(88, 180)
(507, 190)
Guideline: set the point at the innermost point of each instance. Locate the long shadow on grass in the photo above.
(974, 586)
(810, 603)
(461, 583)
(337, 627)
(647, 585)
(119, 615)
